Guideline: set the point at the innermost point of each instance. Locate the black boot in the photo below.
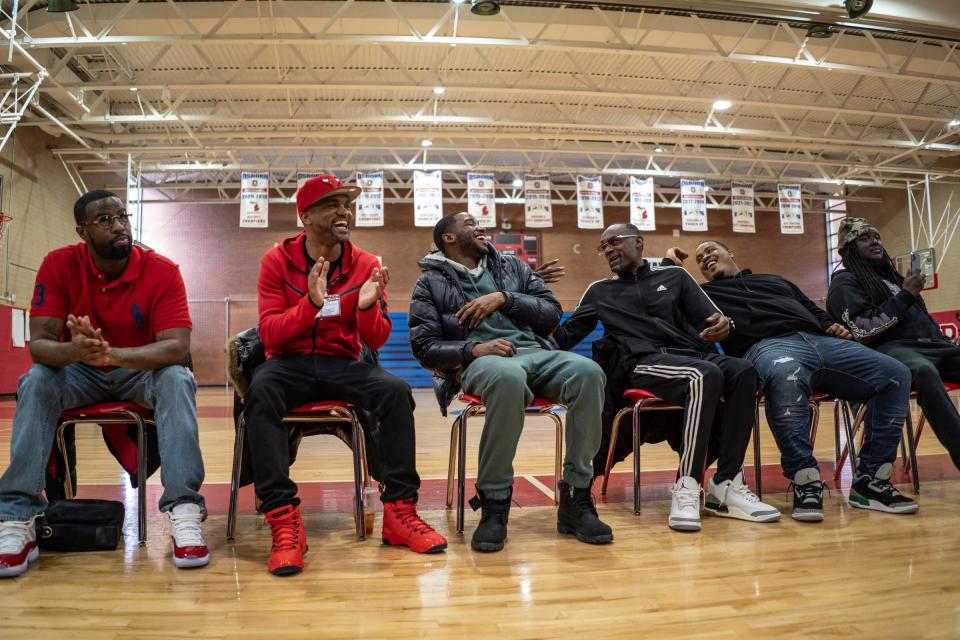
(492, 530)
(578, 516)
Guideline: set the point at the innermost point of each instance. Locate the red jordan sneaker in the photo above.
(289, 541)
(403, 527)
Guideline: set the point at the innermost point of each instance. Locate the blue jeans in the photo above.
(43, 392)
(791, 367)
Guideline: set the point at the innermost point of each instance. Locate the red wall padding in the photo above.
(14, 362)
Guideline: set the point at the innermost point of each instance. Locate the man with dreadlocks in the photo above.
(884, 310)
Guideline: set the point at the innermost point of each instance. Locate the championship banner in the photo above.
(791, 209)
(481, 199)
(641, 204)
(254, 199)
(589, 202)
(741, 204)
(538, 212)
(303, 176)
(693, 205)
(427, 198)
(370, 200)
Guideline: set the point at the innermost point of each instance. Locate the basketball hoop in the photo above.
(4, 219)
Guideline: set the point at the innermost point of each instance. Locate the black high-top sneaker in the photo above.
(490, 534)
(578, 516)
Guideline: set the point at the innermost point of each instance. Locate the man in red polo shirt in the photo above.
(109, 321)
(320, 296)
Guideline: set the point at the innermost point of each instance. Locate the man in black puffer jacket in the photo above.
(481, 319)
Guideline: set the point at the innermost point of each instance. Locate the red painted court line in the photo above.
(333, 497)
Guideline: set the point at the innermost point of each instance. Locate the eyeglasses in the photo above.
(614, 241)
(106, 221)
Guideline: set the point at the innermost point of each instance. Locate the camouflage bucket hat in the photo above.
(851, 229)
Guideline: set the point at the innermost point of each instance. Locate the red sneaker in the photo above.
(289, 541)
(18, 546)
(403, 527)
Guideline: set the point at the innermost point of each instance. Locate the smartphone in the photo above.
(916, 261)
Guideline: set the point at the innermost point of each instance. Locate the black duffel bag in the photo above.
(81, 525)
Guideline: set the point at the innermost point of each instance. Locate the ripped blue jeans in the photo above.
(792, 366)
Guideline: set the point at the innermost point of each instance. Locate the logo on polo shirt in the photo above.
(661, 288)
(39, 295)
(138, 318)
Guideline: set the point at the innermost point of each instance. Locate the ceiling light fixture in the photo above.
(439, 91)
(954, 123)
(517, 183)
(426, 143)
(857, 8)
(134, 89)
(484, 7)
(722, 105)
(658, 149)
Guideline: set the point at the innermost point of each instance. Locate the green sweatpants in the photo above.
(508, 385)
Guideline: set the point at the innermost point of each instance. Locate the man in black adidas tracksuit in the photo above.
(663, 323)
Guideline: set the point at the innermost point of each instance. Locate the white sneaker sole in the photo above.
(807, 516)
(684, 524)
(191, 562)
(734, 512)
(879, 506)
(12, 572)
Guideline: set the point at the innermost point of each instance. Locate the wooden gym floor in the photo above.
(858, 574)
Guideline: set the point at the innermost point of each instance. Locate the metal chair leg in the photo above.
(558, 458)
(814, 421)
(451, 463)
(461, 468)
(356, 437)
(757, 468)
(235, 476)
(912, 446)
(141, 478)
(836, 434)
(614, 433)
(62, 447)
(636, 457)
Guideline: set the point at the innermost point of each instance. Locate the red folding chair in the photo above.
(108, 415)
(641, 401)
(458, 445)
(314, 418)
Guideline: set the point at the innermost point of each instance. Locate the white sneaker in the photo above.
(18, 546)
(685, 505)
(189, 548)
(733, 499)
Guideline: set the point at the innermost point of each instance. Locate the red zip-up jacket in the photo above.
(288, 318)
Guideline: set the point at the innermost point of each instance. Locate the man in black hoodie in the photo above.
(797, 349)
(884, 309)
(482, 318)
(663, 324)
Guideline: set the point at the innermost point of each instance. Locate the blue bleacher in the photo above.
(397, 358)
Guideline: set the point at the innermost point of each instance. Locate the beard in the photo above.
(108, 251)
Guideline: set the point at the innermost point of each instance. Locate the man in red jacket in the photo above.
(320, 296)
